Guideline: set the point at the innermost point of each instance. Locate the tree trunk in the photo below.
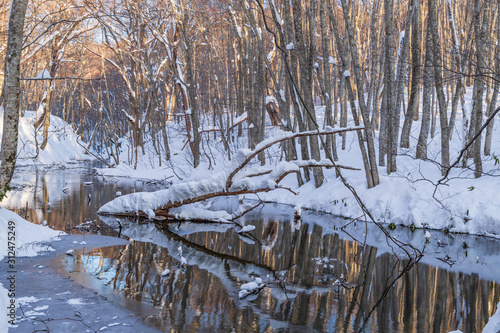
(494, 95)
(365, 113)
(327, 88)
(12, 91)
(426, 98)
(389, 90)
(478, 92)
(401, 66)
(443, 116)
(306, 57)
(415, 75)
(192, 91)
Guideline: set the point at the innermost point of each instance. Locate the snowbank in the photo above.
(27, 239)
(465, 204)
(62, 146)
(407, 197)
(493, 325)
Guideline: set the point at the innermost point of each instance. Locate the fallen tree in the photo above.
(176, 202)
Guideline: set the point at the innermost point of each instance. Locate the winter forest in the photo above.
(249, 165)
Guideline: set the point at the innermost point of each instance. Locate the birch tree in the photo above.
(389, 90)
(496, 87)
(12, 72)
(412, 109)
(438, 80)
(480, 28)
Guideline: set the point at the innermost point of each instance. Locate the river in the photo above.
(319, 272)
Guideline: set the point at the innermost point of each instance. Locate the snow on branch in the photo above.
(284, 136)
(177, 201)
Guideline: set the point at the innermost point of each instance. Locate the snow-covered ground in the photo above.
(493, 325)
(62, 146)
(28, 239)
(407, 197)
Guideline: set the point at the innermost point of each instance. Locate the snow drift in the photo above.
(62, 145)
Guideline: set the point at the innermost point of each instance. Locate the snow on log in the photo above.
(177, 201)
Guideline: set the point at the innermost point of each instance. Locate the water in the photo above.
(68, 199)
(316, 277)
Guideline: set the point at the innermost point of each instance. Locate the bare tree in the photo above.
(8, 148)
(438, 79)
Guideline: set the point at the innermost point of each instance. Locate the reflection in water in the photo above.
(315, 280)
(65, 198)
(302, 267)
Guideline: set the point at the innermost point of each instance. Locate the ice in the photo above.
(76, 301)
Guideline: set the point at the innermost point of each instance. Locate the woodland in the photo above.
(376, 111)
(115, 69)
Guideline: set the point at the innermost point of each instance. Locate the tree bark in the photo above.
(478, 92)
(192, 92)
(340, 50)
(361, 95)
(327, 88)
(494, 95)
(415, 75)
(426, 98)
(401, 66)
(438, 78)
(389, 90)
(306, 56)
(12, 91)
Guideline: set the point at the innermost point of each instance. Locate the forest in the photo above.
(379, 112)
(125, 69)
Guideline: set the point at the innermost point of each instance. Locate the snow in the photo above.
(165, 272)
(29, 238)
(290, 46)
(41, 308)
(271, 99)
(44, 74)
(240, 118)
(247, 228)
(76, 301)
(62, 146)
(470, 205)
(251, 287)
(347, 73)
(493, 325)
(282, 95)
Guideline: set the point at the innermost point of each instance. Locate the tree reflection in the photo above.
(380, 292)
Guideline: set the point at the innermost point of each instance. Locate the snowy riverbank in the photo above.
(62, 145)
(48, 298)
(18, 238)
(407, 197)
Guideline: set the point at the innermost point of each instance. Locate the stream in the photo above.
(319, 273)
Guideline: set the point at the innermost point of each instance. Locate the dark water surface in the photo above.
(315, 276)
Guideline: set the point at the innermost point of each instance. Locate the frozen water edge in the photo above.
(56, 296)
